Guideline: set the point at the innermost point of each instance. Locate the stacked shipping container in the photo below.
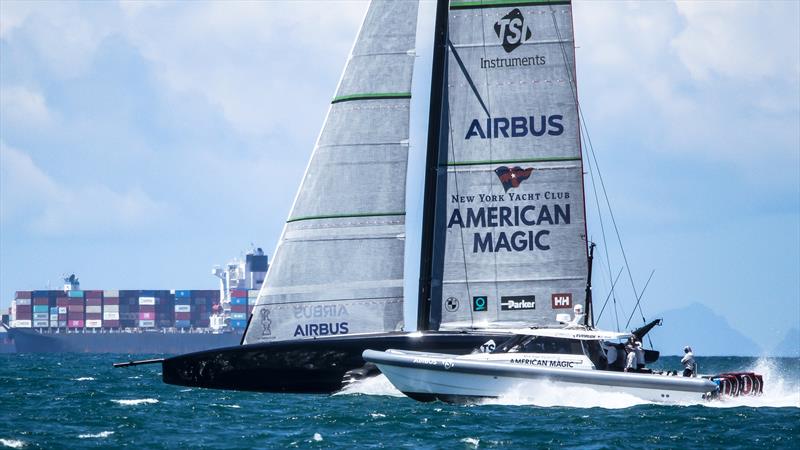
(238, 308)
(114, 309)
(111, 309)
(23, 312)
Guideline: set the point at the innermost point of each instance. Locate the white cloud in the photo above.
(254, 60)
(31, 198)
(711, 81)
(742, 39)
(23, 107)
(65, 35)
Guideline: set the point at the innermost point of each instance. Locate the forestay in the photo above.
(515, 251)
(338, 268)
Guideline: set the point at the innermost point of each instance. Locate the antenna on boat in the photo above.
(588, 319)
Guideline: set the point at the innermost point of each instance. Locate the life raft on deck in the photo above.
(735, 384)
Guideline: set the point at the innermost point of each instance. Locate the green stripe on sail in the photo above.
(514, 161)
(504, 3)
(344, 216)
(372, 96)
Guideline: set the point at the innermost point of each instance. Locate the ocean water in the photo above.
(80, 401)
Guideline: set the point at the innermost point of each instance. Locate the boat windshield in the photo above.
(540, 344)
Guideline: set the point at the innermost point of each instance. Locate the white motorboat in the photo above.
(567, 357)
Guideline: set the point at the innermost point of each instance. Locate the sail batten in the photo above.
(338, 268)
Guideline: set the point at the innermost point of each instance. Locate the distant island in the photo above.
(710, 334)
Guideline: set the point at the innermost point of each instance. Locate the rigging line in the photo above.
(469, 78)
(489, 174)
(582, 123)
(613, 284)
(639, 299)
(605, 241)
(650, 340)
(452, 148)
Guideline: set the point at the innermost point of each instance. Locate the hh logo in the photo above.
(512, 177)
(512, 30)
(562, 301)
(480, 303)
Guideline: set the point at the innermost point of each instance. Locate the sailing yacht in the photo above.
(503, 236)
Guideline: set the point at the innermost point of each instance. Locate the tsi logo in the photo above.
(512, 30)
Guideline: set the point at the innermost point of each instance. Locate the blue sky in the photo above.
(142, 143)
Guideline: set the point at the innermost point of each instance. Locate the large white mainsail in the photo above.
(338, 267)
(515, 248)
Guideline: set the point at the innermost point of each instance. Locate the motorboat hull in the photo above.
(429, 376)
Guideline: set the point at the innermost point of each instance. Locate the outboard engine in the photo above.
(735, 384)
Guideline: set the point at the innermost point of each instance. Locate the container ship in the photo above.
(138, 321)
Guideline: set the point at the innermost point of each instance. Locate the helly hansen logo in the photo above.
(562, 301)
(512, 30)
(513, 177)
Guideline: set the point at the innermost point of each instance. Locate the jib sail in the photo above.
(515, 250)
(338, 267)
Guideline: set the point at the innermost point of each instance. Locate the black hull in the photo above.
(307, 366)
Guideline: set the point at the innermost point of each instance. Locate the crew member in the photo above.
(639, 356)
(630, 360)
(689, 366)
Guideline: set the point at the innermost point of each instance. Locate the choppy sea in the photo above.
(80, 401)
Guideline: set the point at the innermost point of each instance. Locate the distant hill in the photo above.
(708, 333)
(789, 346)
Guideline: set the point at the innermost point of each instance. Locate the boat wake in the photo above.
(84, 379)
(135, 402)
(548, 393)
(12, 443)
(101, 435)
(781, 389)
(378, 385)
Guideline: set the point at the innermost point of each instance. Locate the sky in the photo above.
(141, 143)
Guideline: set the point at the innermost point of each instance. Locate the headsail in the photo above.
(338, 268)
(515, 250)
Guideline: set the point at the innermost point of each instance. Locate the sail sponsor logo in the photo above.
(517, 302)
(561, 301)
(321, 329)
(515, 127)
(319, 311)
(265, 322)
(513, 177)
(513, 217)
(451, 304)
(512, 30)
(480, 303)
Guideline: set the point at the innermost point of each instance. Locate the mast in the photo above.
(434, 209)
